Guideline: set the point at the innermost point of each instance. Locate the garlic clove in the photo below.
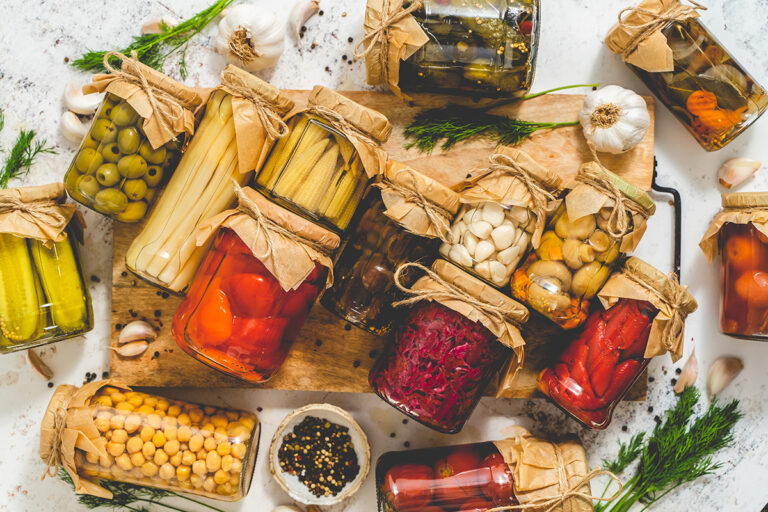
(301, 12)
(136, 330)
(72, 128)
(737, 170)
(159, 25)
(722, 372)
(132, 349)
(40, 367)
(688, 376)
(79, 103)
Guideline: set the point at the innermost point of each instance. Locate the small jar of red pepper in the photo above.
(643, 315)
(254, 290)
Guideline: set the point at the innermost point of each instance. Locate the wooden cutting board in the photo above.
(330, 354)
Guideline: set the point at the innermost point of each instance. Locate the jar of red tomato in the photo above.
(254, 290)
(739, 233)
(643, 316)
(453, 338)
(521, 470)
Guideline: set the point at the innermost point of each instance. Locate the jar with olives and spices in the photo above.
(148, 440)
(322, 169)
(134, 143)
(402, 218)
(450, 341)
(689, 70)
(504, 212)
(601, 217)
(43, 295)
(233, 139)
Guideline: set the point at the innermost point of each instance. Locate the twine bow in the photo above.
(54, 460)
(42, 212)
(267, 110)
(620, 222)
(337, 121)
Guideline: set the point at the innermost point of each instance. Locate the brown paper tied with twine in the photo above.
(258, 109)
(738, 208)
(470, 297)
(392, 34)
(637, 35)
(514, 178)
(595, 188)
(365, 128)
(417, 202)
(166, 105)
(641, 281)
(68, 424)
(288, 245)
(39, 213)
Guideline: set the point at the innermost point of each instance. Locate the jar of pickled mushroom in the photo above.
(255, 288)
(452, 46)
(322, 169)
(242, 121)
(148, 440)
(739, 233)
(642, 316)
(504, 212)
(44, 295)
(134, 142)
(449, 343)
(689, 70)
(601, 217)
(519, 473)
(403, 217)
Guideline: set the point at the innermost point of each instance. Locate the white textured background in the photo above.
(36, 37)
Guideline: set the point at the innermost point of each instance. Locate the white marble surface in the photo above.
(36, 36)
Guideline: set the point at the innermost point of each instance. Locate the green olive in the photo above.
(153, 156)
(88, 160)
(88, 186)
(132, 166)
(128, 140)
(111, 152)
(154, 176)
(107, 175)
(89, 142)
(150, 195)
(172, 145)
(104, 131)
(133, 212)
(110, 200)
(123, 115)
(135, 189)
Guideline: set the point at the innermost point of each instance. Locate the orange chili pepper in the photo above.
(717, 120)
(215, 317)
(701, 101)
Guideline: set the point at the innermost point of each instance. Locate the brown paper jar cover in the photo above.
(738, 208)
(38, 212)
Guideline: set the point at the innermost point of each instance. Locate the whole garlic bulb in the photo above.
(614, 119)
(250, 37)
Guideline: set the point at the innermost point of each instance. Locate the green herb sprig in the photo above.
(21, 155)
(154, 49)
(456, 123)
(678, 451)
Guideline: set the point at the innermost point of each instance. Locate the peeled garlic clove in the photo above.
(484, 250)
(456, 232)
(132, 349)
(79, 103)
(503, 236)
(688, 375)
(508, 256)
(498, 272)
(72, 128)
(722, 372)
(480, 229)
(470, 242)
(445, 250)
(737, 170)
(460, 255)
(483, 269)
(156, 26)
(136, 330)
(519, 215)
(493, 214)
(40, 367)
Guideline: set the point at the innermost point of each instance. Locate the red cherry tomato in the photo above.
(214, 318)
(408, 487)
(476, 505)
(500, 488)
(252, 295)
(297, 302)
(740, 252)
(752, 287)
(459, 476)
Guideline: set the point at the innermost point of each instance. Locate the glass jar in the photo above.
(464, 478)
(45, 297)
(487, 48)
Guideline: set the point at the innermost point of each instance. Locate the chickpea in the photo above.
(93, 458)
(169, 422)
(184, 434)
(145, 409)
(239, 450)
(224, 489)
(196, 481)
(102, 425)
(176, 459)
(148, 449)
(106, 460)
(174, 410)
(124, 408)
(137, 459)
(160, 458)
(201, 455)
(220, 477)
(224, 448)
(108, 390)
(171, 433)
(209, 444)
(196, 415)
(234, 479)
(134, 444)
(124, 462)
(162, 404)
(196, 442)
(108, 435)
(213, 462)
(149, 469)
(199, 468)
(167, 471)
(182, 473)
(155, 421)
(184, 419)
(209, 410)
(119, 436)
(115, 449)
(188, 458)
(135, 400)
(219, 421)
(248, 422)
(146, 433)
(220, 435)
(208, 484)
(159, 439)
(172, 447)
(207, 429)
(117, 422)
(103, 400)
(151, 401)
(132, 423)
(232, 415)
(239, 431)
(226, 462)
(117, 397)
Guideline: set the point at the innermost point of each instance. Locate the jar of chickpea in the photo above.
(150, 441)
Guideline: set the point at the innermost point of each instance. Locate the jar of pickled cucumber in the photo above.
(690, 71)
(148, 440)
(45, 297)
(131, 149)
(324, 166)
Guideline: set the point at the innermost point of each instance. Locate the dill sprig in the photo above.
(154, 49)
(21, 155)
(677, 452)
(456, 123)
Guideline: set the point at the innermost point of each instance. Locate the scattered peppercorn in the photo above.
(118, 327)
(343, 57)
(104, 375)
(372, 354)
(123, 274)
(133, 282)
(50, 384)
(651, 379)
(624, 428)
(318, 342)
(407, 444)
(392, 434)
(356, 363)
(303, 28)
(158, 312)
(259, 409)
(95, 279)
(320, 13)
(350, 39)
(674, 381)
(347, 327)
(650, 409)
(405, 422)
(66, 60)
(165, 295)
(678, 371)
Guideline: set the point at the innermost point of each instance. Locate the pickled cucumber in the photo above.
(21, 318)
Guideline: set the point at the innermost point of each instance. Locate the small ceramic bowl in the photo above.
(290, 483)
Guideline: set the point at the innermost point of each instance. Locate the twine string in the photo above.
(620, 221)
(266, 110)
(43, 212)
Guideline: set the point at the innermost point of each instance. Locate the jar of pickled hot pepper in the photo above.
(642, 316)
(404, 215)
(449, 343)
(254, 289)
(689, 70)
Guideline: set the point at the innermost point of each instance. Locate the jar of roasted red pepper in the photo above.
(643, 316)
(254, 290)
(452, 339)
(740, 234)
(404, 216)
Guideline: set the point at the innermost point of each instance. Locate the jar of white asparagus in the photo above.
(322, 169)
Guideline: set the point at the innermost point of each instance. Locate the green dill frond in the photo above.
(22, 154)
(628, 453)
